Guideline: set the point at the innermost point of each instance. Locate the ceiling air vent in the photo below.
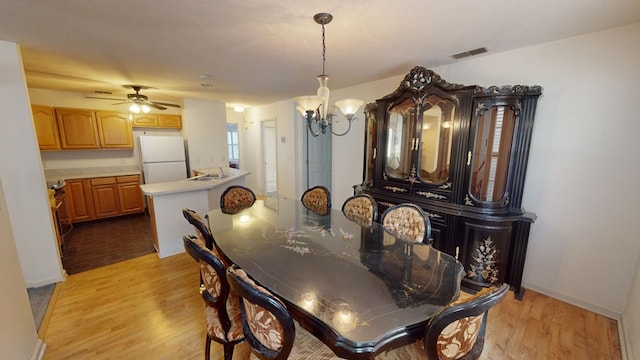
(464, 54)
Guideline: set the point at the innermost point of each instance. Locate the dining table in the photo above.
(354, 285)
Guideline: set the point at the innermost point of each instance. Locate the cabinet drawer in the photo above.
(103, 181)
(128, 179)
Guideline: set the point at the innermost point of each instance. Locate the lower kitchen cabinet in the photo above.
(80, 200)
(104, 197)
(130, 195)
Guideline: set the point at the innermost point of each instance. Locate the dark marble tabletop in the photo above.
(356, 287)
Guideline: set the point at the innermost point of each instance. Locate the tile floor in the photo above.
(96, 244)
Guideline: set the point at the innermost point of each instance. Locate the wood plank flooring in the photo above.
(149, 308)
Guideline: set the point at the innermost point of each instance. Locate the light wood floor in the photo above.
(149, 308)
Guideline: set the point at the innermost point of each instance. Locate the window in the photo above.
(234, 145)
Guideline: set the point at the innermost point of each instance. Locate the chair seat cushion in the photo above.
(307, 347)
(214, 327)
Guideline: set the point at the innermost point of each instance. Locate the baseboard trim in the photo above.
(625, 342)
(612, 314)
(53, 280)
(38, 350)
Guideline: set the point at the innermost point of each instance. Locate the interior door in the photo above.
(318, 160)
(269, 144)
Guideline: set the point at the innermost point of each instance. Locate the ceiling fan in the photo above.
(138, 101)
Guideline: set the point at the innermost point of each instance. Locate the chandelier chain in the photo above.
(324, 50)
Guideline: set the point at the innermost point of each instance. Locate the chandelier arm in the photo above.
(309, 118)
(346, 131)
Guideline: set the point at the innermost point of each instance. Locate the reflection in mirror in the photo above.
(436, 136)
(399, 139)
(494, 137)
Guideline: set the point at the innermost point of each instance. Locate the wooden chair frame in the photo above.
(270, 303)
(475, 307)
(218, 302)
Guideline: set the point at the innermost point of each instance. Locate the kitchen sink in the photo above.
(208, 177)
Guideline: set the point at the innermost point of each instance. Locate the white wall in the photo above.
(631, 319)
(204, 124)
(582, 176)
(23, 177)
(288, 146)
(18, 340)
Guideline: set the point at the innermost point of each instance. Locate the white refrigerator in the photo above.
(163, 158)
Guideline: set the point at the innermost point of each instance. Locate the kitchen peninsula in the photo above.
(166, 201)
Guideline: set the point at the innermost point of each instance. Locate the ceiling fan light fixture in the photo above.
(134, 108)
(145, 109)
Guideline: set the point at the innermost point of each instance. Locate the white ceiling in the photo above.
(261, 51)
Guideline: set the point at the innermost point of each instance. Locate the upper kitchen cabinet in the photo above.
(160, 121)
(46, 127)
(88, 129)
(115, 130)
(78, 129)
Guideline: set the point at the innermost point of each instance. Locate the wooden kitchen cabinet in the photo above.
(160, 121)
(80, 200)
(115, 130)
(104, 197)
(106, 200)
(46, 126)
(131, 201)
(78, 129)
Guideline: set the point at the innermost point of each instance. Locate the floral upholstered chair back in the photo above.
(235, 198)
(457, 332)
(269, 329)
(361, 208)
(407, 221)
(202, 229)
(222, 307)
(317, 199)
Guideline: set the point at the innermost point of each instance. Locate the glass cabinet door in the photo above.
(494, 133)
(435, 140)
(400, 139)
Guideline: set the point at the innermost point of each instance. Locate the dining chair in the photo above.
(317, 199)
(268, 327)
(235, 198)
(456, 333)
(222, 307)
(408, 221)
(202, 229)
(361, 208)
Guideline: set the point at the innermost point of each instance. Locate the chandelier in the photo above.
(315, 108)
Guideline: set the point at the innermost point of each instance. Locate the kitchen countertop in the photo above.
(53, 175)
(180, 186)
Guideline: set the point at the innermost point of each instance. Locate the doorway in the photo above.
(318, 157)
(269, 158)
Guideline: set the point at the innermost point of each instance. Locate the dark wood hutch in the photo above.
(460, 152)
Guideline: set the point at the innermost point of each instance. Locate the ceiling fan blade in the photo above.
(104, 98)
(167, 104)
(155, 105)
(120, 103)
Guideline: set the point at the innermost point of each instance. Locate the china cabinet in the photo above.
(460, 152)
